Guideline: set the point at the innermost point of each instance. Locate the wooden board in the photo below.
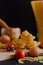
(10, 55)
(6, 55)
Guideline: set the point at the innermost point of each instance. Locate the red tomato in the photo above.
(42, 46)
(9, 47)
(41, 43)
(20, 54)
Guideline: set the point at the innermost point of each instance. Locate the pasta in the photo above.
(31, 59)
(26, 40)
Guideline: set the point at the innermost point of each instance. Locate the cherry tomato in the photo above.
(41, 43)
(42, 46)
(20, 54)
(10, 47)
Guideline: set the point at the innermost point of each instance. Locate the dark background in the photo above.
(18, 13)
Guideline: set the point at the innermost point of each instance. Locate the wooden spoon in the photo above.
(13, 33)
(3, 24)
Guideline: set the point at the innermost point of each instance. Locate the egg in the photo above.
(5, 39)
(34, 51)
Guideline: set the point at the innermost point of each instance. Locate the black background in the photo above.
(18, 13)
